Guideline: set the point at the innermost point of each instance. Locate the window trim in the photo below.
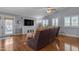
(55, 22)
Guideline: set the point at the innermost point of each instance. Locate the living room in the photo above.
(19, 25)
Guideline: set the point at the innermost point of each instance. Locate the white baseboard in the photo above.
(70, 35)
(3, 37)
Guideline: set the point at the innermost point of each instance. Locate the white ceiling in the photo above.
(26, 11)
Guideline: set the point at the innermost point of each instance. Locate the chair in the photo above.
(58, 28)
(57, 40)
(42, 38)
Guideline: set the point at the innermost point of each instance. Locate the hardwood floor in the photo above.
(69, 43)
(19, 43)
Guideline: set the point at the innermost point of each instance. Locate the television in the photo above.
(28, 22)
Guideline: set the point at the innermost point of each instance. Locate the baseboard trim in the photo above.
(70, 35)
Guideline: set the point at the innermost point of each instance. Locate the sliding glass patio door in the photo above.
(8, 27)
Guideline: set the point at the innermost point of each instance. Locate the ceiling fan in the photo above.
(50, 10)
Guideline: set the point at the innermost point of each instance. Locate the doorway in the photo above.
(8, 27)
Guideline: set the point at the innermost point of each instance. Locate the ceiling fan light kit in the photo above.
(50, 10)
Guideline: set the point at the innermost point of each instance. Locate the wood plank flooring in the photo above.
(19, 43)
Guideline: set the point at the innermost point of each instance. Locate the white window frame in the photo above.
(67, 21)
(74, 21)
(71, 21)
(45, 22)
(55, 22)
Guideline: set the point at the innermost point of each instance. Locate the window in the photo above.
(38, 21)
(71, 21)
(67, 21)
(55, 22)
(45, 22)
(74, 21)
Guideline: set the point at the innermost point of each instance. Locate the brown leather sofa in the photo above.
(43, 38)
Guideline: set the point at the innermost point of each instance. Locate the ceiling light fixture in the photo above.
(50, 10)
